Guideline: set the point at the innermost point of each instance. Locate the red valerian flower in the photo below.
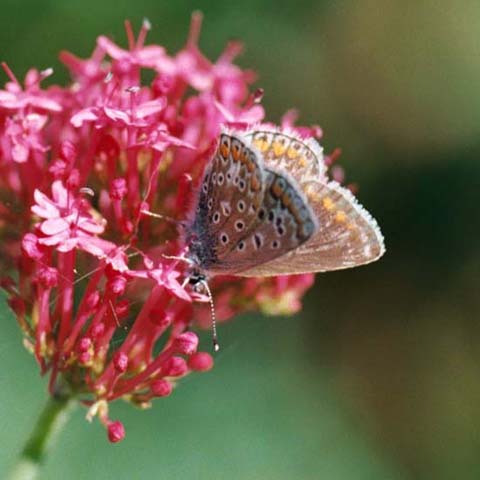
(104, 305)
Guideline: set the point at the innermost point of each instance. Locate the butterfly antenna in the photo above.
(163, 217)
(216, 346)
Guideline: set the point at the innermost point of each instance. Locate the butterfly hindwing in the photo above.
(287, 151)
(284, 221)
(347, 236)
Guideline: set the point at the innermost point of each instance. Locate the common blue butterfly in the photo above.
(266, 207)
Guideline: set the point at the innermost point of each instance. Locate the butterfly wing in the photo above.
(347, 236)
(284, 222)
(285, 151)
(231, 193)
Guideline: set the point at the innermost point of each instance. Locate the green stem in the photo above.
(52, 418)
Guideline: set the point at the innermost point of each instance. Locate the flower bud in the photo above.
(120, 362)
(84, 358)
(48, 277)
(186, 343)
(73, 180)
(116, 431)
(122, 308)
(161, 388)
(118, 188)
(68, 151)
(84, 344)
(200, 362)
(175, 367)
(98, 330)
(30, 246)
(93, 299)
(117, 284)
(58, 169)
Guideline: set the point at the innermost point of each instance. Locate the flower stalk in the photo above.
(48, 426)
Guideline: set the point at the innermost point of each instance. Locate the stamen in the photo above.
(9, 73)
(130, 35)
(195, 27)
(146, 27)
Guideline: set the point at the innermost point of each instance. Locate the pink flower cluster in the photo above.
(104, 309)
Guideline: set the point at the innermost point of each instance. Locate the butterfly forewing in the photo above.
(230, 196)
(347, 236)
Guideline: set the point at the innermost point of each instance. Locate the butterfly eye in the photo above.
(216, 217)
(241, 206)
(241, 246)
(275, 244)
(220, 179)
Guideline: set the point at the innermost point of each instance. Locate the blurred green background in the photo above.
(379, 376)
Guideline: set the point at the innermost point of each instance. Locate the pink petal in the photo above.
(8, 100)
(178, 290)
(67, 245)
(54, 226)
(88, 244)
(164, 136)
(90, 225)
(20, 153)
(111, 48)
(54, 239)
(117, 115)
(86, 115)
(36, 122)
(150, 54)
(60, 194)
(45, 208)
(150, 108)
(43, 103)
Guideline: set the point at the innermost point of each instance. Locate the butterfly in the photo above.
(265, 207)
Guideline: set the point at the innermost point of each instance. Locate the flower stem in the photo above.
(51, 420)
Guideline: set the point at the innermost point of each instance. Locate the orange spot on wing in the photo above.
(277, 190)
(340, 216)
(236, 152)
(286, 200)
(251, 166)
(278, 149)
(261, 144)
(292, 153)
(224, 150)
(255, 184)
(328, 203)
